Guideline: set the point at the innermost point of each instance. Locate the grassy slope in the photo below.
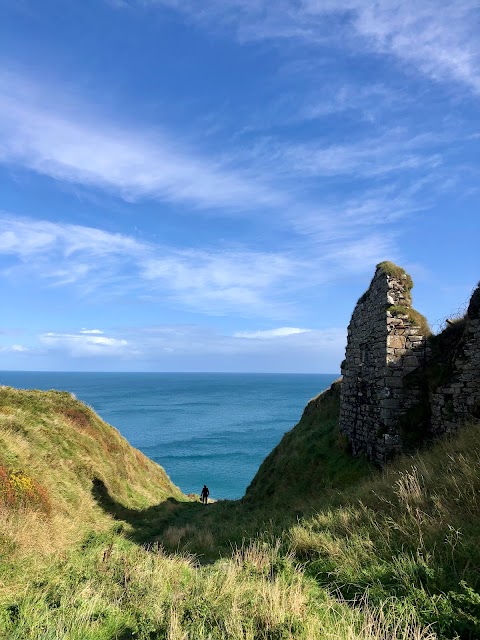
(410, 535)
(407, 536)
(65, 450)
(69, 571)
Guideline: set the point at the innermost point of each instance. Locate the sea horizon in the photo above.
(270, 373)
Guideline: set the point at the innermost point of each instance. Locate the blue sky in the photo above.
(207, 185)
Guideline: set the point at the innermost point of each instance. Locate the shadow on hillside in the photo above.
(146, 523)
(209, 532)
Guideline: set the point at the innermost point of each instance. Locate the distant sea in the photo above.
(212, 428)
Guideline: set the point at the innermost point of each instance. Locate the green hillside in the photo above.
(62, 467)
(97, 544)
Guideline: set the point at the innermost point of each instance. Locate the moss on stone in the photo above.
(414, 316)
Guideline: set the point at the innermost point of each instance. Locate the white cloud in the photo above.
(215, 282)
(171, 348)
(15, 348)
(133, 163)
(247, 283)
(219, 282)
(281, 332)
(185, 348)
(91, 331)
(393, 152)
(81, 345)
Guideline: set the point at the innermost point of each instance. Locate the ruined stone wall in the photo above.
(390, 394)
(386, 341)
(458, 400)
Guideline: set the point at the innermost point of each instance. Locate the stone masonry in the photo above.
(459, 400)
(386, 341)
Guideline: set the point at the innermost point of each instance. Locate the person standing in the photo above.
(204, 495)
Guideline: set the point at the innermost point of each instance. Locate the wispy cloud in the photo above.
(71, 144)
(185, 347)
(244, 282)
(280, 332)
(15, 348)
(437, 37)
(284, 176)
(224, 281)
(393, 151)
(211, 349)
(214, 282)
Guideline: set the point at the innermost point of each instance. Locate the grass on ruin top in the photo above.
(392, 269)
(395, 271)
(414, 316)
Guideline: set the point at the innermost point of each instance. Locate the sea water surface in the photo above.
(203, 428)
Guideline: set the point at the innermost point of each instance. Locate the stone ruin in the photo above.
(385, 382)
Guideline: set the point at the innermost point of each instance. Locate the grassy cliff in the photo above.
(62, 469)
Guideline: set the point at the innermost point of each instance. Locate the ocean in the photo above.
(202, 428)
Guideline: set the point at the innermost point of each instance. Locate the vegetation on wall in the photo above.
(414, 316)
(394, 271)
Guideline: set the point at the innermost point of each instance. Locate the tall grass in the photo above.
(51, 449)
(111, 589)
(412, 534)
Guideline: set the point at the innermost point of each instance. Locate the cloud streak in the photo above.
(212, 350)
(184, 347)
(267, 334)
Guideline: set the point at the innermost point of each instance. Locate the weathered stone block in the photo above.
(396, 342)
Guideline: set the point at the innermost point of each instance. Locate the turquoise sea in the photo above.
(212, 428)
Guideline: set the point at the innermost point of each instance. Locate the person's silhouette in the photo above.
(204, 495)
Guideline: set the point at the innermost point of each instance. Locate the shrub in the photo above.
(18, 490)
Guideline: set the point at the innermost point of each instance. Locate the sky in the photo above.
(207, 185)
